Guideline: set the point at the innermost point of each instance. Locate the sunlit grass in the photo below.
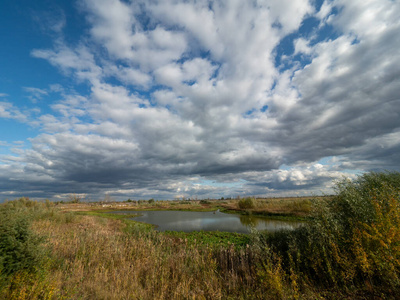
(99, 261)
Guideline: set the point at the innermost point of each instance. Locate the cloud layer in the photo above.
(214, 98)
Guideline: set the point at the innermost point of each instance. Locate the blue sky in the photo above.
(167, 99)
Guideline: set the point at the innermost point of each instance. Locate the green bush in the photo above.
(19, 246)
(247, 203)
(353, 238)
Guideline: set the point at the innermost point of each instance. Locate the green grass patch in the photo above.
(212, 238)
(129, 225)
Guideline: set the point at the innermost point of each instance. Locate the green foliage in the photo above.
(212, 238)
(247, 203)
(204, 201)
(354, 237)
(19, 246)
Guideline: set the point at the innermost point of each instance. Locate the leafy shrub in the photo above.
(247, 203)
(19, 246)
(353, 238)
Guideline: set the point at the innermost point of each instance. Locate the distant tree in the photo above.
(107, 198)
(74, 198)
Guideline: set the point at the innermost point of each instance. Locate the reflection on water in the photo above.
(250, 221)
(210, 221)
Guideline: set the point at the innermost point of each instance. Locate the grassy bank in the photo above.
(290, 207)
(349, 249)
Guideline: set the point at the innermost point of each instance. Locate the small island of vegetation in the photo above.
(348, 248)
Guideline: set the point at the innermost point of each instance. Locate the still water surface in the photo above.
(188, 221)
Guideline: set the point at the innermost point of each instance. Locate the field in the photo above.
(348, 249)
(296, 207)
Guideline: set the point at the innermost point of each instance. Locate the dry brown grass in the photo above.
(95, 260)
(289, 206)
(193, 205)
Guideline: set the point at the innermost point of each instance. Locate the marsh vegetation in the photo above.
(349, 248)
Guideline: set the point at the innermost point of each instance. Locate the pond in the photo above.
(188, 221)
